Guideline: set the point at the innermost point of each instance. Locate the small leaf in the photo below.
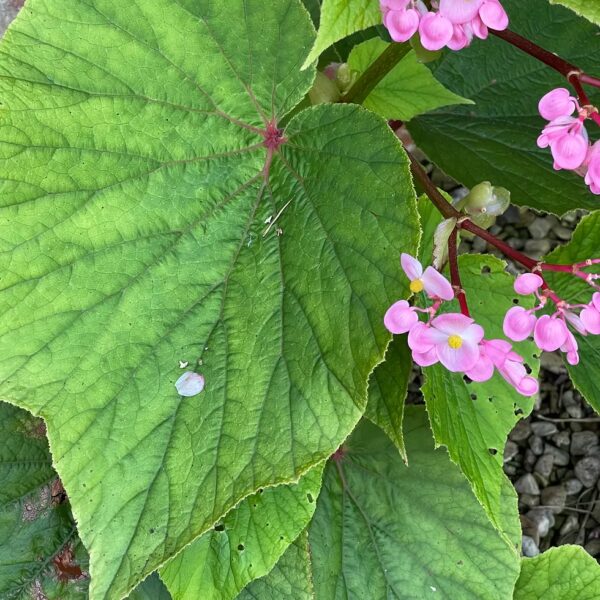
(152, 588)
(246, 544)
(563, 573)
(341, 18)
(408, 90)
(386, 530)
(440, 242)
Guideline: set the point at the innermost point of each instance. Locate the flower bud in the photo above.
(486, 199)
(323, 90)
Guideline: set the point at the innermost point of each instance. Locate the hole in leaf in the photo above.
(493, 451)
(310, 498)
(473, 396)
(220, 527)
(485, 270)
(467, 380)
(241, 547)
(261, 491)
(528, 369)
(518, 411)
(515, 301)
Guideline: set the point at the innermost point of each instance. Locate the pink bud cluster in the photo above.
(551, 331)
(452, 339)
(567, 137)
(452, 23)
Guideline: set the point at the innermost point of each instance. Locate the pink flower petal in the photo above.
(483, 369)
(528, 386)
(411, 266)
(402, 24)
(459, 39)
(569, 151)
(436, 31)
(460, 11)
(479, 28)
(474, 334)
(437, 285)
(590, 318)
(528, 283)
(596, 301)
(550, 333)
(426, 359)
(394, 4)
(460, 359)
(557, 103)
(190, 384)
(493, 15)
(575, 321)
(518, 324)
(400, 317)
(417, 338)
(452, 323)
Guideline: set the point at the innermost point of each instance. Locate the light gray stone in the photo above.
(587, 470)
(530, 548)
(544, 428)
(555, 498)
(561, 458)
(526, 484)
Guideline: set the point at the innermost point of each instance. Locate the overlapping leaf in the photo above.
(385, 530)
(471, 419)
(584, 245)
(590, 9)
(496, 139)
(246, 544)
(408, 90)
(136, 182)
(341, 18)
(563, 573)
(290, 578)
(40, 554)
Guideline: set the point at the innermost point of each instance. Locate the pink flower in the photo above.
(402, 24)
(592, 176)
(519, 323)
(455, 339)
(400, 317)
(435, 30)
(550, 333)
(460, 11)
(433, 282)
(493, 15)
(571, 349)
(528, 283)
(590, 316)
(557, 103)
(568, 141)
(498, 354)
(189, 384)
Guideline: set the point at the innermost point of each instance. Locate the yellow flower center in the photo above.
(416, 286)
(455, 342)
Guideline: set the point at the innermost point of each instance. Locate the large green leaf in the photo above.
(136, 185)
(496, 139)
(408, 90)
(388, 386)
(583, 245)
(290, 578)
(385, 530)
(474, 419)
(341, 18)
(564, 573)
(246, 545)
(40, 553)
(590, 9)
